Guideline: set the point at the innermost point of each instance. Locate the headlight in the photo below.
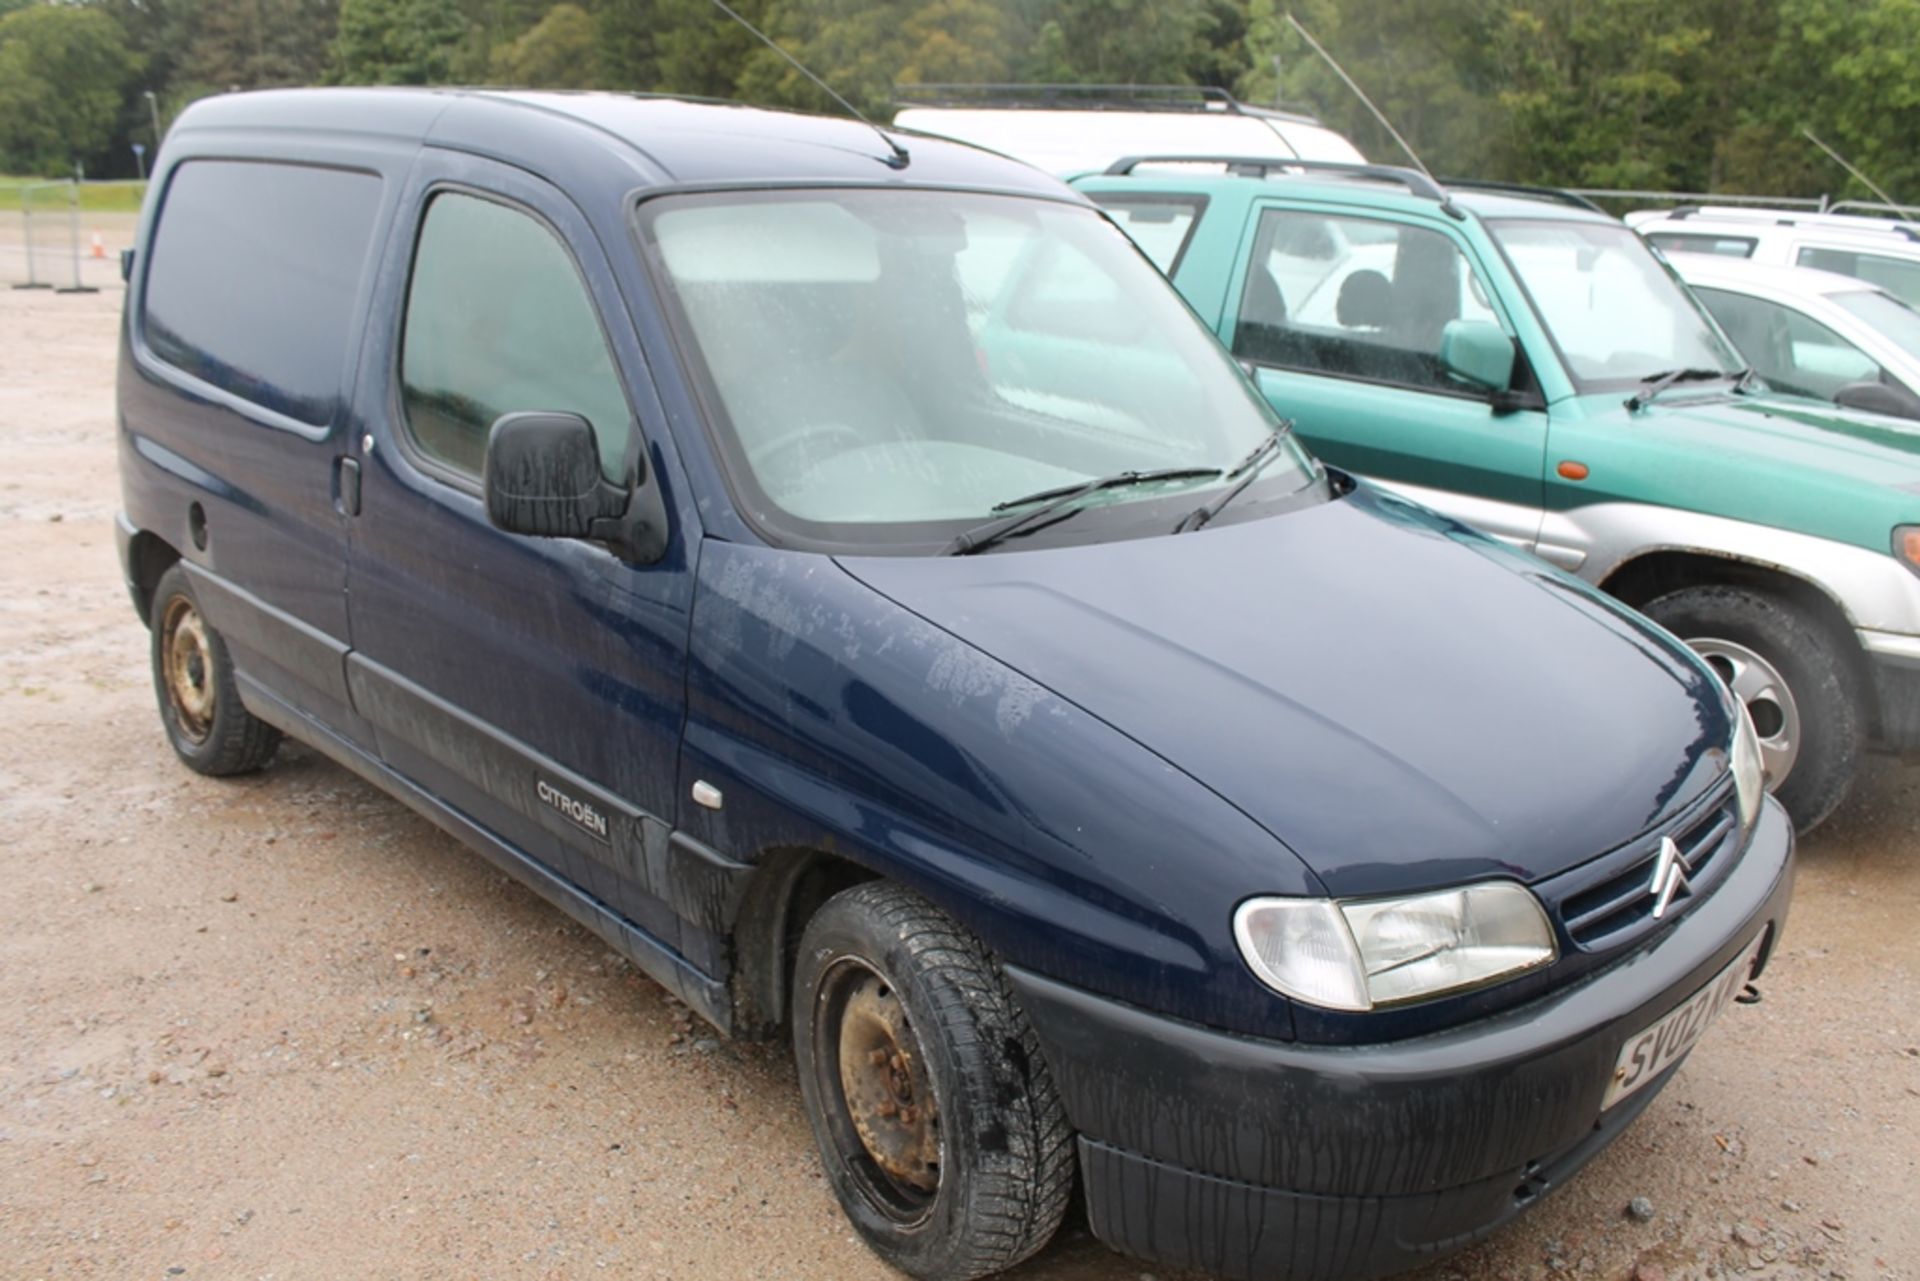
(1749, 773)
(1361, 954)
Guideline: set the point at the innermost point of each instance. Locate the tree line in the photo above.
(1660, 94)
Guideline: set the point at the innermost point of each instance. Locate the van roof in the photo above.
(653, 140)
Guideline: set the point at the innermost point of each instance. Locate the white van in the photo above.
(1814, 333)
(1880, 250)
(1077, 129)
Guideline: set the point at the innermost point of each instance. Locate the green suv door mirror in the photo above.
(1478, 354)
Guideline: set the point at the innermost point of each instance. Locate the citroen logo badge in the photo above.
(1669, 876)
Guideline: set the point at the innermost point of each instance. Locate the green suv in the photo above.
(1524, 363)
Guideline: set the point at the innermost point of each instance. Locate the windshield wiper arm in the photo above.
(1058, 499)
(1248, 469)
(1653, 384)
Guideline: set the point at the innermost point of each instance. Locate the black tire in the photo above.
(200, 706)
(1823, 684)
(1004, 1154)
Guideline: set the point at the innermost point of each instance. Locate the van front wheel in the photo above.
(193, 679)
(938, 1125)
(1794, 679)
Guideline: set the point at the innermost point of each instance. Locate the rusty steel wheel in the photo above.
(210, 729)
(887, 1119)
(187, 668)
(938, 1123)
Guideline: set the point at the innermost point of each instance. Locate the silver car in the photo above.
(1814, 333)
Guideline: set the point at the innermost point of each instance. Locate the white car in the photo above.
(1814, 333)
(1881, 250)
(1070, 130)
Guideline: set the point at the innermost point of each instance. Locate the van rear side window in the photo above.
(1673, 242)
(253, 274)
(1898, 276)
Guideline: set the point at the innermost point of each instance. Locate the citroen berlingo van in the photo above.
(834, 567)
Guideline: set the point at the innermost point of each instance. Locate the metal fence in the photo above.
(65, 235)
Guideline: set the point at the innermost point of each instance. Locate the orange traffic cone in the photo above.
(99, 246)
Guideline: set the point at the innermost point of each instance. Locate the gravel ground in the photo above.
(280, 1027)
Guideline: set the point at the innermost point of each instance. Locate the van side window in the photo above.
(1898, 276)
(1687, 242)
(498, 320)
(1355, 298)
(253, 273)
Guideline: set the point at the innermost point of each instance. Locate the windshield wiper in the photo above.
(1059, 499)
(1653, 384)
(1248, 469)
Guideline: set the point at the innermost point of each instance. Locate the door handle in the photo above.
(347, 486)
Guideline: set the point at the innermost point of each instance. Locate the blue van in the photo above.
(836, 568)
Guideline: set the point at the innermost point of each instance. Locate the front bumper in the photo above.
(1251, 1158)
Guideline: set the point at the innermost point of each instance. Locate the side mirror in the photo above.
(542, 477)
(1878, 398)
(1478, 353)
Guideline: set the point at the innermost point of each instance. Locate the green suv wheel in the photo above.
(1794, 679)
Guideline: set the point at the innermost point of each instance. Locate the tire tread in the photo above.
(1826, 685)
(1020, 1195)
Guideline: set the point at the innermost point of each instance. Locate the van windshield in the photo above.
(1616, 314)
(882, 369)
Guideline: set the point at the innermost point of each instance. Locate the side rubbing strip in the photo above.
(581, 813)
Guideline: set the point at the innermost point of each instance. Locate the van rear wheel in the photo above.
(193, 679)
(938, 1124)
(1794, 679)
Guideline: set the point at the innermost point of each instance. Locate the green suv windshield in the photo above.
(887, 369)
(1616, 315)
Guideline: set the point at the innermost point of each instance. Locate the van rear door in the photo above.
(242, 323)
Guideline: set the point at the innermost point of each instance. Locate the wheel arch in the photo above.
(148, 557)
(1644, 578)
(789, 885)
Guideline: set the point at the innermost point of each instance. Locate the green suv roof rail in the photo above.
(1093, 97)
(1559, 194)
(1267, 166)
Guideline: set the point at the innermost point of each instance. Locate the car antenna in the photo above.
(898, 157)
(1367, 102)
(1841, 160)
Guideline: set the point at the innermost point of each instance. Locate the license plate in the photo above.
(1660, 1045)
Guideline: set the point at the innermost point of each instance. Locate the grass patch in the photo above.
(95, 197)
